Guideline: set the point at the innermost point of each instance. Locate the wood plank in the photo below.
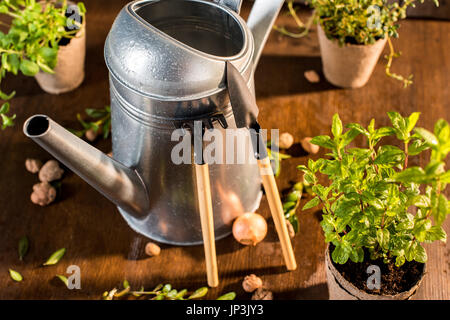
(99, 241)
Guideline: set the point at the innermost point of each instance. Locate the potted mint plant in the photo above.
(378, 210)
(352, 36)
(45, 39)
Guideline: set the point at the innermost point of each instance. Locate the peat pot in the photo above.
(340, 288)
(350, 65)
(69, 69)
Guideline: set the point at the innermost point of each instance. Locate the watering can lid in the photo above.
(150, 62)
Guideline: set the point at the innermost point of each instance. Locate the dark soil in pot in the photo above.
(394, 279)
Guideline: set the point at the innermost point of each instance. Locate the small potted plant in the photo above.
(352, 36)
(45, 39)
(378, 210)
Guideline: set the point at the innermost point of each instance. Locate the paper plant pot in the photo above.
(350, 65)
(341, 289)
(69, 70)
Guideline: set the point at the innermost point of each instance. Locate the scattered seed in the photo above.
(262, 294)
(43, 194)
(286, 140)
(91, 135)
(308, 146)
(152, 249)
(50, 171)
(33, 165)
(290, 228)
(251, 283)
(311, 76)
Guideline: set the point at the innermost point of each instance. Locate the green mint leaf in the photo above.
(55, 257)
(399, 261)
(389, 155)
(441, 210)
(417, 146)
(412, 120)
(357, 255)
(311, 203)
(445, 177)
(399, 124)
(436, 233)
(29, 68)
(341, 253)
(336, 127)
(383, 132)
(420, 255)
(358, 128)
(348, 137)
(427, 136)
(442, 131)
(411, 174)
(421, 201)
(323, 141)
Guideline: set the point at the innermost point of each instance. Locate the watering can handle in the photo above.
(260, 21)
(234, 5)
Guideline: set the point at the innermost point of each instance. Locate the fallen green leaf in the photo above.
(63, 279)
(227, 296)
(15, 275)
(23, 247)
(55, 257)
(201, 292)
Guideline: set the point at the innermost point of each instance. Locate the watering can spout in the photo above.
(118, 183)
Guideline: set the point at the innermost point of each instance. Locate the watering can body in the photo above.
(166, 66)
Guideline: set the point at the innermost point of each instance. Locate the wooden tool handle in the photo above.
(276, 208)
(207, 222)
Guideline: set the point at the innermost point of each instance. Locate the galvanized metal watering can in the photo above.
(167, 66)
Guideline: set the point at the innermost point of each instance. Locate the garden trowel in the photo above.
(245, 112)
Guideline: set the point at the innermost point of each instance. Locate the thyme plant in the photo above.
(360, 22)
(374, 200)
(32, 41)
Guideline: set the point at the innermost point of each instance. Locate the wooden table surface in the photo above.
(107, 251)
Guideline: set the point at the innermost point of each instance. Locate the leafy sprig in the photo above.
(356, 22)
(162, 292)
(101, 122)
(276, 157)
(373, 199)
(32, 41)
(291, 203)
